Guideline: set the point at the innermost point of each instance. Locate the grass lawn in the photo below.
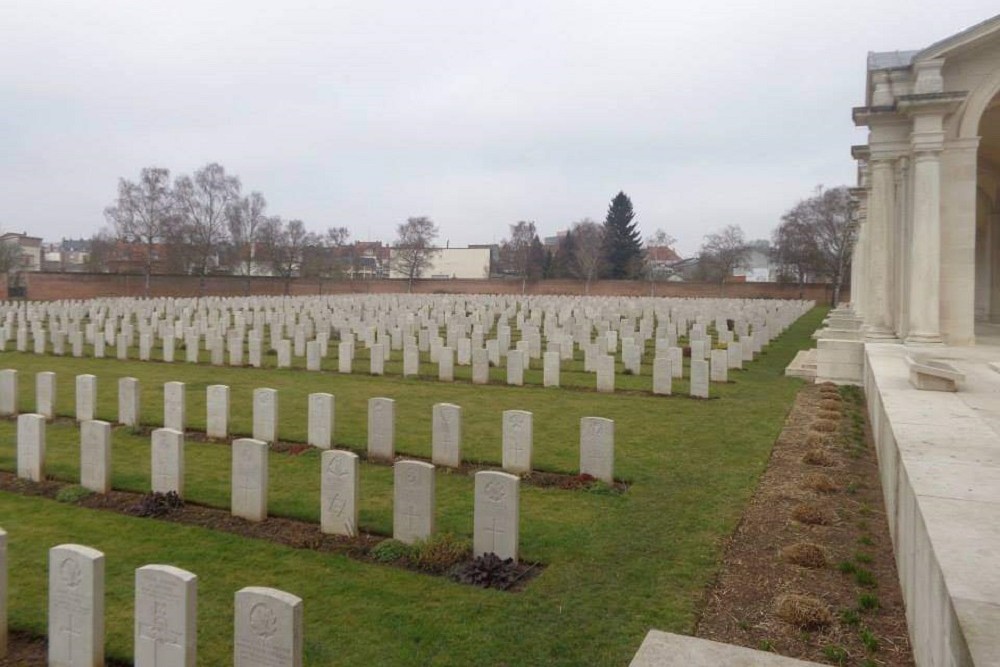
(618, 565)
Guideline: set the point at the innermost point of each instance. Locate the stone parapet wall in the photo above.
(53, 286)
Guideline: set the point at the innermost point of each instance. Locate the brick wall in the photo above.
(52, 286)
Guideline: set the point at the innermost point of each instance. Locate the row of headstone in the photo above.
(446, 430)
(268, 622)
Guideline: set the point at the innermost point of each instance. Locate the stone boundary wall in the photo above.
(42, 286)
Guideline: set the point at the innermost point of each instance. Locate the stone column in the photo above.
(925, 247)
(878, 279)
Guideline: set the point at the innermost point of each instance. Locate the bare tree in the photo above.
(99, 250)
(244, 218)
(326, 256)
(836, 234)
(413, 251)
(795, 250)
(522, 253)
(588, 250)
(203, 202)
(724, 251)
(142, 212)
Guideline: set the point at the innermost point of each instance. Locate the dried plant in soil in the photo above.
(813, 514)
(818, 439)
(804, 554)
(824, 426)
(803, 611)
(830, 415)
(829, 404)
(817, 481)
(818, 457)
(157, 504)
(486, 571)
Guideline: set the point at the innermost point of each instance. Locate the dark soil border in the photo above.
(809, 572)
(275, 529)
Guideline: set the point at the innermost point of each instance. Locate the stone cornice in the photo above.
(860, 152)
(931, 103)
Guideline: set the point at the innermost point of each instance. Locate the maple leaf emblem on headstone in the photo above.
(263, 621)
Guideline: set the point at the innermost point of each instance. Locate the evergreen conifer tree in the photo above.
(622, 242)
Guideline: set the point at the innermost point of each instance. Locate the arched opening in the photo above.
(987, 304)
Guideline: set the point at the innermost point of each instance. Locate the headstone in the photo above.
(8, 392)
(254, 351)
(31, 447)
(284, 353)
(345, 356)
(265, 414)
(606, 374)
(217, 411)
(175, 406)
(167, 465)
(446, 435)
(312, 356)
(734, 353)
(76, 606)
(249, 479)
(128, 401)
(377, 362)
(321, 420)
(517, 441)
(86, 397)
(551, 361)
(597, 448)
(515, 368)
(496, 517)
(719, 370)
(411, 361)
(480, 366)
(662, 376)
(166, 613)
(45, 394)
(413, 501)
(699, 378)
(268, 628)
(676, 355)
(339, 493)
(95, 456)
(446, 364)
(168, 349)
(381, 428)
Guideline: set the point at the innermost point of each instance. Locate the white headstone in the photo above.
(31, 447)
(8, 392)
(597, 448)
(496, 517)
(411, 361)
(321, 420)
(268, 628)
(45, 394)
(517, 441)
(249, 479)
(699, 378)
(377, 359)
(76, 606)
(345, 356)
(86, 397)
(175, 406)
(95, 456)
(515, 368)
(166, 616)
(446, 435)
(480, 366)
(662, 376)
(381, 428)
(339, 493)
(551, 361)
(128, 401)
(719, 370)
(313, 358)
(265, 414)
(167, 461)
(413, 501)
(217, 411)
(606, 373)
(446, 364)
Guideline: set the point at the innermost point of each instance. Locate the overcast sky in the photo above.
(475, 113)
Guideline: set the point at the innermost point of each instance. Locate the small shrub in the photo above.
(865, 540)
(864, 558)
(829, 403)
(802, 611)
(813, 514)
(868, 602)
(72, 494)
(865, 578)
(818, 439)
(852, 488)
(819, 482)
(850, 617)
(391, 551)
(818, 457)
(828, 415)
(440, 553)
(869, 640)
(765, 645)
(157, 504)
(824, 426)
(846, 567)
(804, 554)
(834, 653)
(486, 571)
